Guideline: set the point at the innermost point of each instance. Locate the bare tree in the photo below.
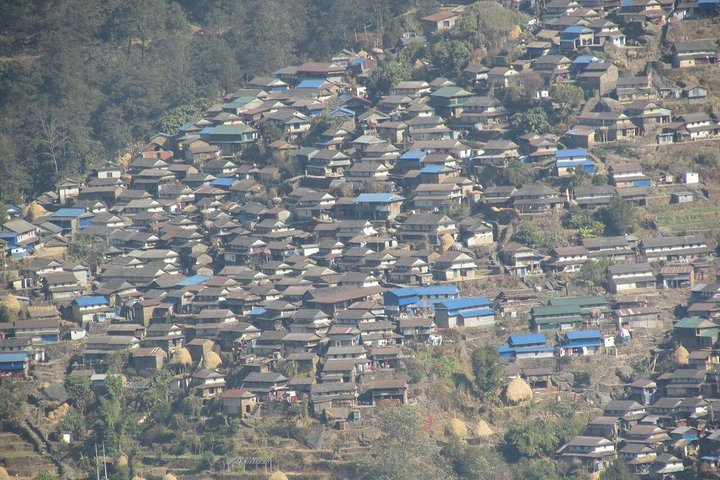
(53, 140)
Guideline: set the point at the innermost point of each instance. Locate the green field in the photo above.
(688, 218)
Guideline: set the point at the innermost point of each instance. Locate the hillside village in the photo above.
(307, 239)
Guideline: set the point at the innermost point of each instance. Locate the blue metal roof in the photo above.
(527, 339)
(480, 312)
(378, 198)
(223, 182)
(580, 344)
(571, 152)
(358, 61)
(194, 280)
(574, 163)
(413, 155)
(425, 291)
(311, 83)
(69, 212)
(257, 311)
(586, 59)
(467, 302)
(91, 300)
(13, 357)
(577, 29)
(583, 335)
(432, 169)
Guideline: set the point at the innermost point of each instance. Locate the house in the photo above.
(426, 229)
(628, 175)
(454, 266)
(682, 249)
(208, 383)
(593, 196)
(20, 236)
(555, 317)
(421, 329)
(693, 332)
(378, 206)
(464, 312)
(386, 390)
(240, 403)
(583, 342)
(536, 199)
(442, 20)
(527, 345)
(637, 317)
(38, 331)
(15, 363)
(592, 453)
(90, 308)
(634, 276)
(694, 53)
(150, 359)
(677, 276)
(569, 259)
(614, 248)
(520, 260)
(569, 161)
(266, 385)
(400, 299)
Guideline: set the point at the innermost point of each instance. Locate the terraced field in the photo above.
(20, 459)
(700, 217)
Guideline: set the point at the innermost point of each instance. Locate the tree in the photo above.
(77, 387)
(619, 217)
(530, 439)
(516, 173)
(567, 97)
(12, 399)
(488, 372)
(45, 475)
(537, 469)
(383, 79)
(617, 471)
(476, 463)
(584, 221)
(593, 271)
(534, 120)
(404, 451)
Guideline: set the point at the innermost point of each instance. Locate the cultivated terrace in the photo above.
(486, 251)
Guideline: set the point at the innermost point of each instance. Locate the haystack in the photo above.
(182, 357)
(518, 391)
(122, 460)
(169, 476)
(278, 476)
(34, 211)
(211, 360)
(3, 474)
(681, 355)
(457, 429)
(12, 304)
(447, 241)
(482, 429)
(137, 477)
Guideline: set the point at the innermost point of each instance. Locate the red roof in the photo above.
(440, 16)
(236, 393)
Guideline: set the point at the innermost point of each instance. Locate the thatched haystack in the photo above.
(518, 391)
(681, 355)
(182, 357)
(483, 430)
(211, 360)
(278, 476)
(457, 429)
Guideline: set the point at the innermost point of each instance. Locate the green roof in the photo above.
(710, 332)
(231, 130)
(555, 311)
(451, 91)
(239, 102)
(557, 320)
(693, 322)
(579, 301)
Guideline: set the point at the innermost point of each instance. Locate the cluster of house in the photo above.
(309, 286)
(665, 424)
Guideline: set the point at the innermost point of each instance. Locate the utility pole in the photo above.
(105, 462)
(97, 466)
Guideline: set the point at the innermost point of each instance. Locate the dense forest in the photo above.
(79, 82)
